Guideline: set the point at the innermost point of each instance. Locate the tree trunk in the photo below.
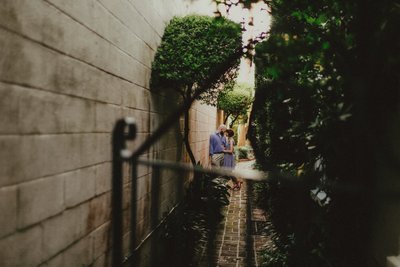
(186, 130)
(232, 122)
(226, 118)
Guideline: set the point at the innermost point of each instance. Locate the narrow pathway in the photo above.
(238, 240)
(231, 237)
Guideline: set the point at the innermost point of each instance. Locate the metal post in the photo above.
(134, 174)
(155, 208)
(119, 138)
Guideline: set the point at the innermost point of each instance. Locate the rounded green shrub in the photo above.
(236, 102)
(191, 49)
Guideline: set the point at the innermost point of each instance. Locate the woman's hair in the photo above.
(230, 132)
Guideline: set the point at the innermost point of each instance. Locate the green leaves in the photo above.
(327, 86)
(219, 194)
(300, 73)
(236, 102)
(325, 45)
(272, 72)
(191, 48)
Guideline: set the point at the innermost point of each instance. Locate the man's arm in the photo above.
(224, 141)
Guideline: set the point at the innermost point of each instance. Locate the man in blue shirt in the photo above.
(217, 145)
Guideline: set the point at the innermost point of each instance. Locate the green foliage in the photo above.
(229, 3)
(278, 252)
(191, 48)
(260, 193)
(243, 152)
(218, 193)
(274, 258)
(317, 96)
(185, 234)
(297, 226)
(198, 54)
(236, 102)
(187, 231)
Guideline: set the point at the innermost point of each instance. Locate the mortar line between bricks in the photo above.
(87, 27)
(238, 241)
(255, 252)
(26, 86)
(254, 238)
(61, 52)
(223, 234)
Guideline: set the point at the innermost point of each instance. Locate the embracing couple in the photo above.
(222, 152)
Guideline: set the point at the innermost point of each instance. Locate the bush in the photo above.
(235, 103)
(187, 232)
(191, 49)
(243, 152)
(317, 96)
(277, 254)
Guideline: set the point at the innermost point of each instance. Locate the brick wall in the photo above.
(68, 71)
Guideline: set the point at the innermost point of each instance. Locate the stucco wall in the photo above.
(68, 71)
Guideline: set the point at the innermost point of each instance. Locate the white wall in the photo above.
(68, 71)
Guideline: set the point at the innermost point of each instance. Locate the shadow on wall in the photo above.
(165, 187)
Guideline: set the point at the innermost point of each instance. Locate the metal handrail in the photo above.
(119, 153)
(254, 175)
(125, 130)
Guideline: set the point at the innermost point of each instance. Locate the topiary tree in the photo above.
(235, 103)
(191, 50)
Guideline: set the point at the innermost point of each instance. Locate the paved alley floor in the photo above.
(238, 240)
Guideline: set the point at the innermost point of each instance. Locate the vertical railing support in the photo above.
(134, 174)
(125, 129)
(155, 208)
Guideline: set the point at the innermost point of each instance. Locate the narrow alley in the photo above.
(239, 241)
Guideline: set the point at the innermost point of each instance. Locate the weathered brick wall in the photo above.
(68, 71)
(203, 121)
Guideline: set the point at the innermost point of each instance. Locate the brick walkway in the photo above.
(238, 241)
(231, 236)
